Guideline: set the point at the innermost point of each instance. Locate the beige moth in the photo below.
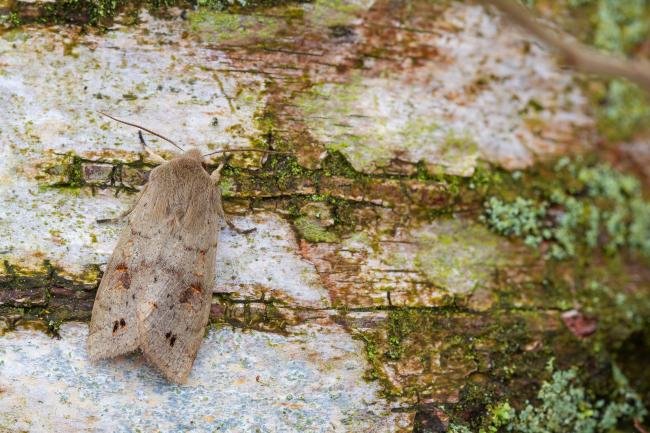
(156, 292)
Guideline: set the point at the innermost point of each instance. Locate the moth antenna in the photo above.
(276, 152)
(144, 129)
(144, 143)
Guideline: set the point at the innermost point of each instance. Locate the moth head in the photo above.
(193, 153)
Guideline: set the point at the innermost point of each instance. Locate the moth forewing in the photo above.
(157, 289)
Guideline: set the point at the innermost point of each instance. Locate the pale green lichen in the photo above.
(620, 26)
(565, 406)
(602, 209)
(521, 218)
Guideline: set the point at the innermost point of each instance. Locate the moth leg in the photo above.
(153, 155)
(237, 229)
(216, 174)
(232, 225)
(117, 218)
(124, 214)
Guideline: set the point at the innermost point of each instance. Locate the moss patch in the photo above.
(223, 27)
(458, 255)
(310, 229)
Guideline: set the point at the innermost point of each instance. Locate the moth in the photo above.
(157, 289)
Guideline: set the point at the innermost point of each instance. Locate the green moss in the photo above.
(336, 164)
(414, 345)
(400, 326)
(456, 255)
(100, 13)
(262, 315)
(310, 229)
(75, 172)
(332, 13)
(222, 27)
(32, 300)
(93, 12)
(240, 5)
(227, 187)
(11, 20)
(282, 171)
(459, 150)
(53, 327)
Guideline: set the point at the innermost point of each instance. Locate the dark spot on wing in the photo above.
(123, 276)
(191, 293)
(116, 325)
(122, 323)
(172, 341)
(167, 335)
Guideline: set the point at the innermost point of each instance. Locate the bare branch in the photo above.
(574, 54)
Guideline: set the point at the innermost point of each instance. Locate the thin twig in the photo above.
(574, 54)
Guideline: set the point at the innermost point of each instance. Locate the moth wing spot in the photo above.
(172, 341)
(116, 325)
(191, 293)
(123, 276)
(122, 323)
(167, 335)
